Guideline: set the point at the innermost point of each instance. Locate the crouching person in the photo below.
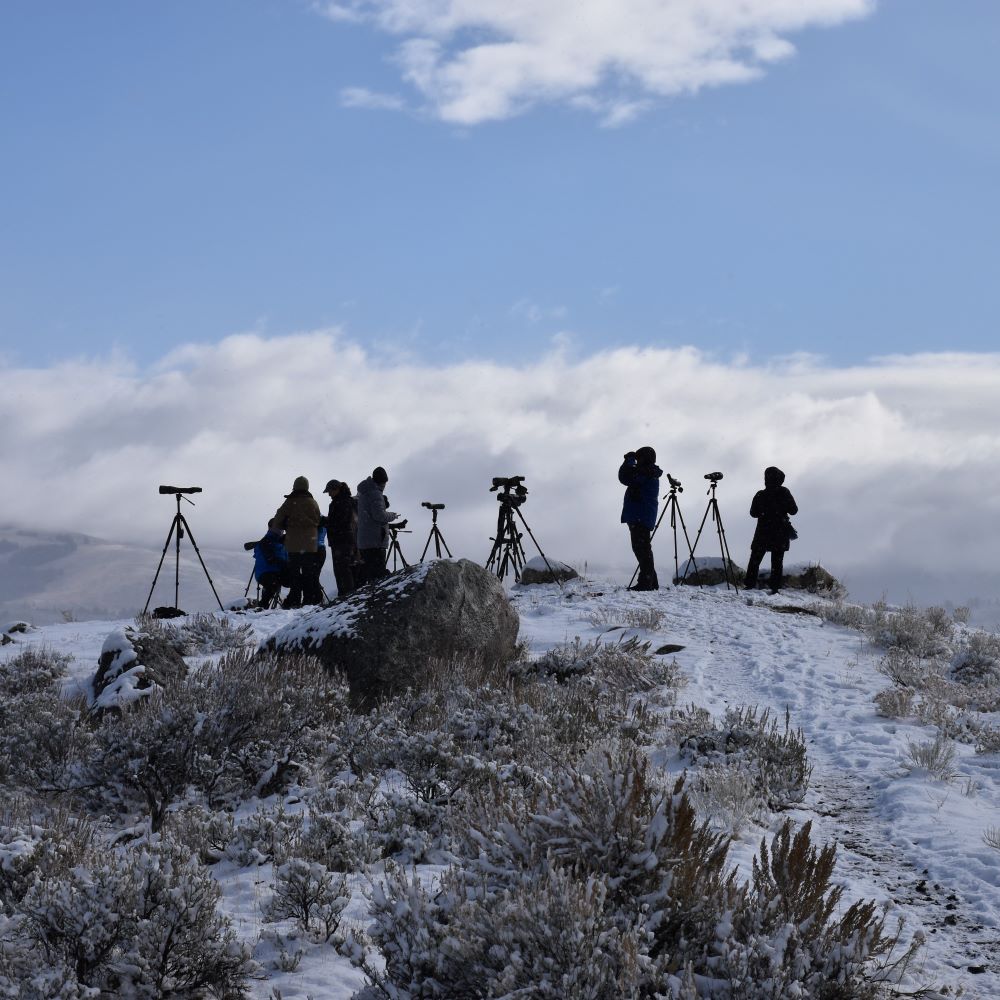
(270, 564)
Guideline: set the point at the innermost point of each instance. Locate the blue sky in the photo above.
(182, 171)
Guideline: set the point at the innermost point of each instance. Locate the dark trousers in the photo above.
(270, 584)
(777, 567)
(643, 549)
(374, 564)
(343, 571)
(313, 591)
(300, 568)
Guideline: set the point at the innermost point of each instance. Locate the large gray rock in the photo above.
(132, 664)
(538, 571)
(384, 636)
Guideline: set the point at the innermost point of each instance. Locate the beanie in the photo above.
(380, 475)
(301, 483)
(645, 455)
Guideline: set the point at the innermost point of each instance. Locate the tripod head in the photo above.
(512, 493)
(675, 485)
(713, 478)
(398, 526)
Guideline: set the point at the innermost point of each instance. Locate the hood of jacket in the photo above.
(773, 476)
(369, 486)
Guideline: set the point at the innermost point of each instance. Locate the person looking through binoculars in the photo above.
(300, 516)
(373, 516)
(641, 475)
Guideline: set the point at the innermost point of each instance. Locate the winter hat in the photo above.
(645, 455)
(333, 484)
(380, 475)
(301, 483)
(773, 476)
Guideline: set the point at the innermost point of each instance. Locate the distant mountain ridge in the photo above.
(50, 576)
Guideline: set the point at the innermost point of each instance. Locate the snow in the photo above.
(905, 838)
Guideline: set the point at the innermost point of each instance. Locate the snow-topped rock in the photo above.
(538, 570)
(131, 664)
(383, 636)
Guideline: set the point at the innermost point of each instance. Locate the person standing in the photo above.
(300, 516)
(342, 534)
(772, 507)
(641, 475)
(373, 516)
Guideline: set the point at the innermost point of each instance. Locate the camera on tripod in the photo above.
(179, 489)
(509, 483)
(675, 484)
(432, 506)
(714, 476)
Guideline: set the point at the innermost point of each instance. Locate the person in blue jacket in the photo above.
(641, 475)
(270, 562)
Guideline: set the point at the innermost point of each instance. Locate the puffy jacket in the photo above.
(300, 516)
(269, 555)
(372, 516)
(342, 523)
(643, 493)
(771, 506)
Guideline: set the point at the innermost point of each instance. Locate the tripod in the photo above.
(435, 531)
(674, 506)
(508, 552)
(394, 550)
(713, 509)
(179, 525)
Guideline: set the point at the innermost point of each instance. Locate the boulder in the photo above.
(385, 635)
(537, 571)
(132, 664)
(814, 579)
(710, 571)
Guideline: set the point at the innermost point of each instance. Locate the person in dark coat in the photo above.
(640, 473)
(342, 534)
(270, 562)
(772, 507)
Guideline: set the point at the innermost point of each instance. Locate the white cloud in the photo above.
(361, 97)
(481, 60)
(895, 463)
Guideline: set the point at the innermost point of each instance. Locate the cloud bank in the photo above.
(895, 464)
(474, 61)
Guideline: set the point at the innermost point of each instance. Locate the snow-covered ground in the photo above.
(905, 837)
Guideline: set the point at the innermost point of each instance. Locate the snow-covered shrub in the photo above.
(308, 893)
(961, 614)
(548, 935)
(728, 794)
(645, 618)
(139, 923)
(849, 615)
(785, 939)
(265, 835)
(773, 757)
(204, 833)
(626, 663)
(991, 837)
(936, 757)
(978, 661)
(908, 670)
(894, 702)
(241, 727)
(989, 740)
(41, 741)
(690, 720)
(924, 633)
(200, 634)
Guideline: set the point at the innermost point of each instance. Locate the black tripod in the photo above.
(394, 551)
(713, 509)
(508, 553)
(179, 525)
(674, 506)
(435, 531)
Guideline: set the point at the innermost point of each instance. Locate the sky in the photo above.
(242, 240)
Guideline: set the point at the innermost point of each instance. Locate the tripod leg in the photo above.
(170, 534)
(427, 546)
(440, 538)
(704, 518)
(724, 548)
(246, 592)
(202, 561)
(531, 534)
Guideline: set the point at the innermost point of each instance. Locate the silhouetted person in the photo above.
(771, 506)
(373, 516)
(300, 516)
(270, 563)
(640, 473)
(342, 534)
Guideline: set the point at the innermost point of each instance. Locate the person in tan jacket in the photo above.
(300, 516)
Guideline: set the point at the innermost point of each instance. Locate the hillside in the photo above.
(908, 795)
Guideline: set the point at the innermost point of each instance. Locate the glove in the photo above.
(391, 516)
